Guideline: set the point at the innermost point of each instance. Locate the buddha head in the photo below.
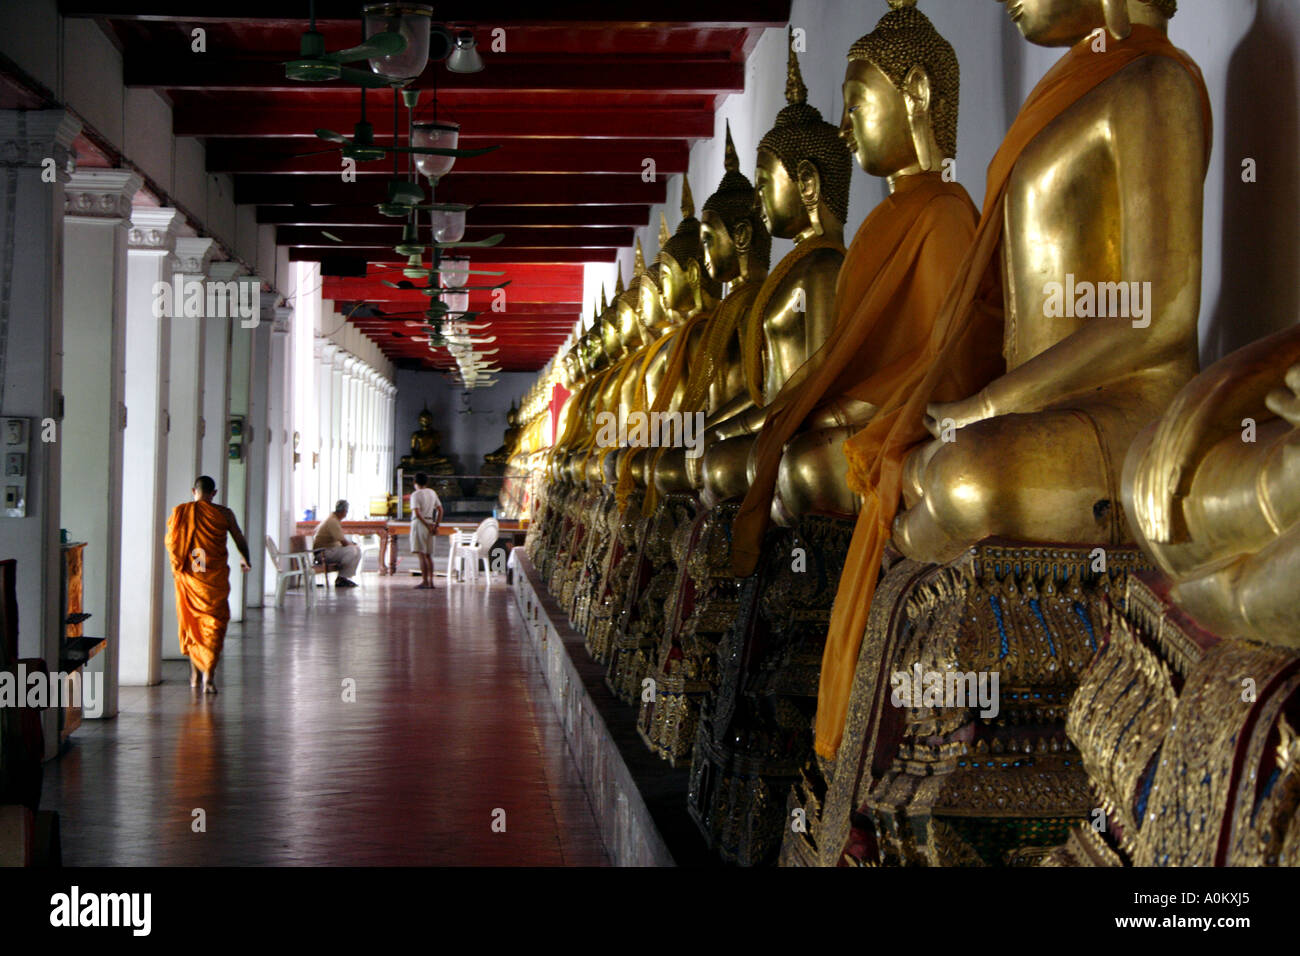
(684, 283)
(628, 303)
(732, 234)
(610, 331)
(1067, 22)
(901, 95)
(654, 318)
(425, 420)
(802, 174)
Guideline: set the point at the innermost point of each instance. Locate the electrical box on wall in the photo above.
(15, 433)
(235, 434)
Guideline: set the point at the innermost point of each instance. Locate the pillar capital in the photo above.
(100, 195)
(30, 137)
(225, 271)
(283, 314)
(153, 229)
(195, 254)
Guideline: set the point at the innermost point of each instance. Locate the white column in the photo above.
(259, 442)
(218, 334)
(34, 156)
(279, 471)
(98, 210)
(237, 409)
(350, 431)
(324, 352)
(184, 400)
(338, 462)
(146, 575)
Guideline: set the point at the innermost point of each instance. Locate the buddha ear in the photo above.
(1115, 13)
(742, 236)
(810, 183)
(916, 90)
(693, 274)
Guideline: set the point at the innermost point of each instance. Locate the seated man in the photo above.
(335, 548)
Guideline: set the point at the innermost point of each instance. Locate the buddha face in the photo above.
(610, 339)
(779, 202)
(720, 256)
(676, 288)
(629, 323)
(425, 420)
(1055, 22)
(875, 124)
(652, 305)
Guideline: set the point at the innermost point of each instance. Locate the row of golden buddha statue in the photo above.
(923, 478)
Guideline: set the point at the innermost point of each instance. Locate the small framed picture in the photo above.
(15, 431)
(15, 464)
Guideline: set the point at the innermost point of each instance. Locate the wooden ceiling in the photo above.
(578, 100)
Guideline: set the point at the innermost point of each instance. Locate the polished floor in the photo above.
(450, 733)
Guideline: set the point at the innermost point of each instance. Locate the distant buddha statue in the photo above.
(425, 442)
(495, 461)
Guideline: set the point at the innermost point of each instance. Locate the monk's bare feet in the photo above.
(209, 683)
(194, 675)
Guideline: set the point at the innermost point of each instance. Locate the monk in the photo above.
(196, 544)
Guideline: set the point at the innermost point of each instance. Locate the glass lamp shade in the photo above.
(449, 226)
(465, 58)
(412, 21)
(455, 273)
(436, 136)
(458, 302)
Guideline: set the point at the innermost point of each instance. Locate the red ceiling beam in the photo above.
(541, 256)
(272, 119)
(518, 238)
(496, 217)
(723, 13)
(557, 74)
(295, 157)
(513, 190)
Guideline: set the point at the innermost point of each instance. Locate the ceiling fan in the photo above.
(315, 65)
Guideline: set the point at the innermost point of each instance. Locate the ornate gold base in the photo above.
(1186, 742)
(610, 594)
(650, 587)
(703, 607)
(755, 735)
(942, 781)
(588, 574)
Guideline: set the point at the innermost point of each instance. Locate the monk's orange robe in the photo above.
(962, 356)
(889, 291)
(196, 544)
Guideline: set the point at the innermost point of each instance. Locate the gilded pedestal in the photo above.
(755, 737)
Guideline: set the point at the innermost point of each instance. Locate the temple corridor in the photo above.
(450, 722)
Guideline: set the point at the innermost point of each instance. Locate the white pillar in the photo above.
(184, 403)
(146, 576)
(218, 334)
(34, 155)
(324, 353)
(236, 488)
(279, 473)
(259, 442)
(98, 210)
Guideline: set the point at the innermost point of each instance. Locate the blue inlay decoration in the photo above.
(1002, 628)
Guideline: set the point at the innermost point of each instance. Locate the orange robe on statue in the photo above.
(196, 544)
(962, 356)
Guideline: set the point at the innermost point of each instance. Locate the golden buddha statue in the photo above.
(1028, 444)
(1213, 490)
(425, 442)
(901, 95)
(1036, 451)
(736, 248)
(500, 456)
(802, 187)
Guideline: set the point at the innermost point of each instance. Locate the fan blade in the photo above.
(445, 207)
(362, 78)
(477, 244)
(379, 45)
(438, 151)
(332, 137)
(330, 236)
(399, 285)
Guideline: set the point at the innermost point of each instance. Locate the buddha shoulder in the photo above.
(1152, 96)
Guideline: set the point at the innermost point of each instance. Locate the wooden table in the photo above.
(390, 530)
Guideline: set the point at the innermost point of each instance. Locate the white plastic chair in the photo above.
(283, 575)
(369, 544)
(462, 549)
(485, 535)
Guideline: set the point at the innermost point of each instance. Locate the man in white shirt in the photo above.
(426, 513)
